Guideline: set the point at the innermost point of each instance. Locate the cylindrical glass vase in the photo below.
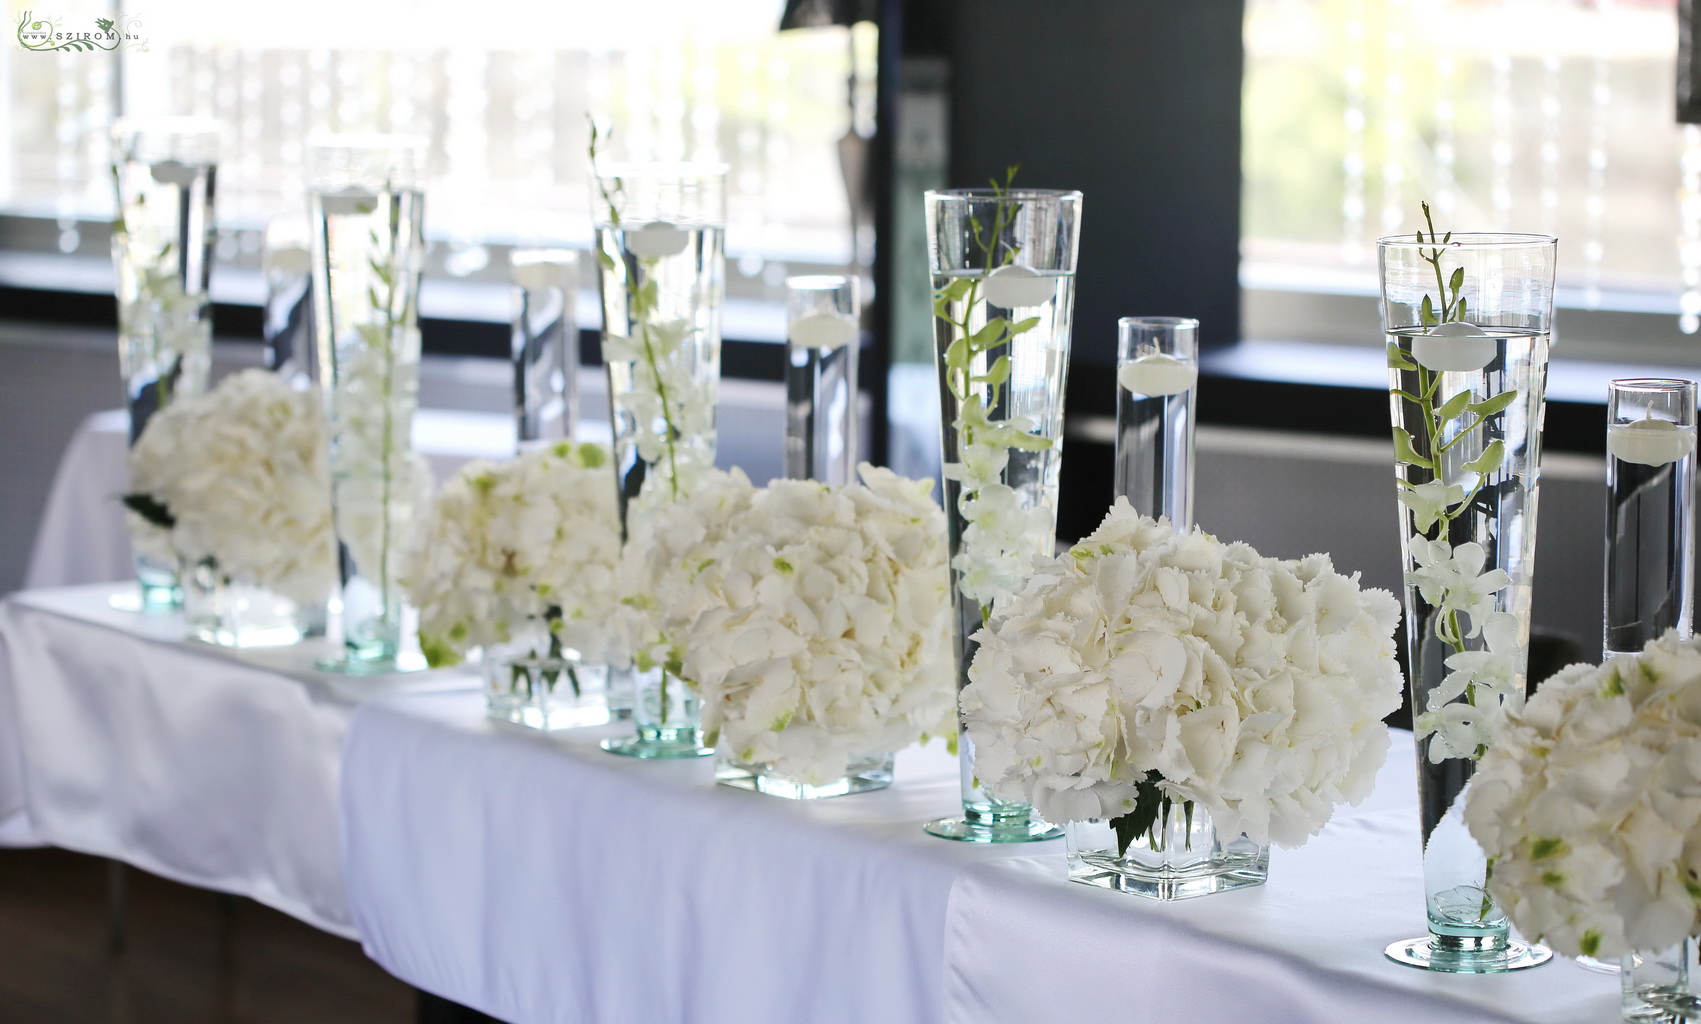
(863, 773)
(545, 346)
(165, 170)
(1656, 988)
(822, 420)
(231, 613)
(287, 332)
(1157, 377)
(367, 203)
(538, 683)
(1467, 320)
(1181, 857)
(1003, 266)
(1650, 585)
(661, 275)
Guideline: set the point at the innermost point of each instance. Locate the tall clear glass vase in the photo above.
(1157, 376)
(165, 171)
(1467, 319)
(1650, 589)
(822, 421)
(661, 271)
(545, 346)
(367, 212)
(1003, 266)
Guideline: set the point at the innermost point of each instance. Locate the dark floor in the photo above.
(189, 955)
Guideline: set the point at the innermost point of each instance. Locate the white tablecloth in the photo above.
(1023, 944)
(208, 767)
(539, 879)
(82, 537)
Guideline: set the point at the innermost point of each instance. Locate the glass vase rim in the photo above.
(1472, 240)
(370, 142)
(817, 282)
(1066, 195)
(678, 169)
(1652, 385)
(1158, 321)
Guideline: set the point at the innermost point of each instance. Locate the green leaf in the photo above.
(1427, 312)
(1454, 406)
(1457, 281)
(1398, 359)
(958, 289)
(1148, 800)
(1407, 395)
(957, 355)
(1459, 313)
(1024, 326)
(1030, 443)
(1489, 406)
(1489, 460)
(998, 374)
(990, 336)
(1404, 452)
(606, 260)
(150, 509)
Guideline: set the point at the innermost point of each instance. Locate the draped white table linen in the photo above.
(214, 768)
(539, 879)
(1023, 944)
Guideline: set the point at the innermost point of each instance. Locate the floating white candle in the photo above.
(1649, 442)
(822, 330)
(656, 239)
(1013, 287)
(1455, 346)
(1157, 374)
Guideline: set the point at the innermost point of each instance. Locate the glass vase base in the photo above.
(659, 744)
(1214, 877)
(1589, 963)
(1432, 953)
(148, 599)
(970, 830)
(242, 637)
(864, 777)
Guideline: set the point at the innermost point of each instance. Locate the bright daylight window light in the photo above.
(502, 93)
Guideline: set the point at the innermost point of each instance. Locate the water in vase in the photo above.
(366, 306)
(661, 286)
(1646, 575)
(989, 552)
(1468, 507)
(1152, 447)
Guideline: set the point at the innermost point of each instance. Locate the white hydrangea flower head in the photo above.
(1253, 687)
(242, 471)
(1588, 804)
(814, 621)
(507, 548)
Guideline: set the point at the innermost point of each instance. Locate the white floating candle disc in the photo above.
(1650, 442)
(1455, 346)
(1157, 374)
(174, 172)
(822, 330)
(541, 275)
(656, 239)
(289, 259)
(348, 202)
(1013, 287)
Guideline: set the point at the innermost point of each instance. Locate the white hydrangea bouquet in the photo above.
(518, 552)
(234, 482)
(812, 621)
(1147, 668)
(1588, 805)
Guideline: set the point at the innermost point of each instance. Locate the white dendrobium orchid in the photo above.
(1588, 804)
(1251, 686)
(1429, 502)
(241, 473)
(1452, 579)
(510, 548)
(812, 620)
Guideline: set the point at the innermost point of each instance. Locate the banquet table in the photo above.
(540, 880)
(210, 767)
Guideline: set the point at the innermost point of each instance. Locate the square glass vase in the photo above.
(230, 613)
(863, 772)
(543, 691)
(1183, 857)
